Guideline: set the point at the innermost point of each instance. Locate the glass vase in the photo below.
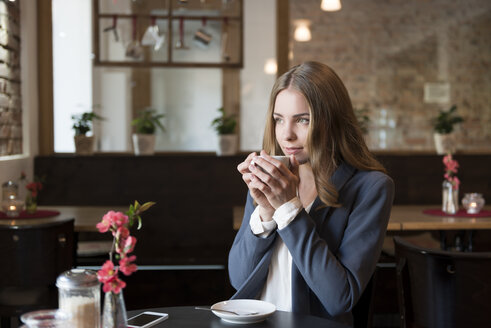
(31, 204)
(450, 198)
(114, 311)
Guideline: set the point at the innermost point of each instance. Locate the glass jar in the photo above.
(9, 190)
(46, 319)
(79, 295)
(450, 198)
(473, 202)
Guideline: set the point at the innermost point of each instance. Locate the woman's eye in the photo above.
(278, 119)
(303, 120)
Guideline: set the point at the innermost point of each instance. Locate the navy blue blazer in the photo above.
(334, 250)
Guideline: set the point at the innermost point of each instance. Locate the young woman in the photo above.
(311, 233)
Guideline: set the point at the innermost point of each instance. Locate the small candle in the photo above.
(13, 209)
(473, 203)
(472, 209)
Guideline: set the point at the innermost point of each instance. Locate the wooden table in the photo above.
(411, 218)
(86, 217)
(402, 218)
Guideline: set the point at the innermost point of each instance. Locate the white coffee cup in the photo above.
(283, 159)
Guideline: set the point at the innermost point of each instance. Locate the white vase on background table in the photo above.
(450, 198)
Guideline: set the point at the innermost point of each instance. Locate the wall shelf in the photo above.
(196, 33)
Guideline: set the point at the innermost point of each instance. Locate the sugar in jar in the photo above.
(79, 295)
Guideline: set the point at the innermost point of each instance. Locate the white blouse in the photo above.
(278, 287)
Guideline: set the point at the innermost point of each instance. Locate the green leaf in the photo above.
(139, 222)
(146, 206)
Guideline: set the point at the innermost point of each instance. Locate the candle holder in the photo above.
(473, 202)
(9, 190)
(12, 207)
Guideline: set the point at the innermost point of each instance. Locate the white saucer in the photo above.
(263, 309)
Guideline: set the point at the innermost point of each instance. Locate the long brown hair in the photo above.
(334, 133)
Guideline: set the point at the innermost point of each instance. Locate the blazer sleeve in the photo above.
(337, 279)
(247, 249)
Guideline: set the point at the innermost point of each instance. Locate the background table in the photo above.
(411, 217)
(189, 317)
(86, 217)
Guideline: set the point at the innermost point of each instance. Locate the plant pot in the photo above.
(144, 144)
(445, 143)
(84, 145)
(227, 144)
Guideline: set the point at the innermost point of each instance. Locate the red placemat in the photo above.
(460, 213)
(37, 215)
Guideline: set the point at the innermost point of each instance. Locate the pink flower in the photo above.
(104, 225)
(450, 164)
(119, 225)
(125, 246)
(112, 220)
(125, 265)
(456, 183)
(129, 245)
(114, 285)
(119, 219)
(451, 167)
(107, 272)
(108, 275)
(121, 233)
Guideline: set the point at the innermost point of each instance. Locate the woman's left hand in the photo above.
(277, 182)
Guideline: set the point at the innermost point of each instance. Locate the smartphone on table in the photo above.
(146, 319)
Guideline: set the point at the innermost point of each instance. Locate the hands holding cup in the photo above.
(271, 181)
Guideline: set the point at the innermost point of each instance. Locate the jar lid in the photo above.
(77, 278)
(9, 184)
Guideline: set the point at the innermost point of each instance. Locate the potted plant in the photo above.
(443, 126)
(145, 125)
(362, 115)
(225, 125)
(84, 145)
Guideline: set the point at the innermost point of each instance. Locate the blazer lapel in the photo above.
(300, 289)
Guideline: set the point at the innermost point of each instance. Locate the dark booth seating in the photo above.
(442, 289)
(32, 258)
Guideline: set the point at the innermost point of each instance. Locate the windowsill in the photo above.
(13, 157)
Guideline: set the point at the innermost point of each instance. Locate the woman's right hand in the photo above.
(266, 210)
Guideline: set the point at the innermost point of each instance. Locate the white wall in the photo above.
(11, 166)
(72, 67)
(259, 45)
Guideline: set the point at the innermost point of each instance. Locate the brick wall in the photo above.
(386, 50)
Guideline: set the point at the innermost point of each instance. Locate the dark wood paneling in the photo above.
(192, 220)
(418, 178)
(196, 193)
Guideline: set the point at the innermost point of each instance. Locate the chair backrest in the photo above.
(32, 258)
(442, 289)
(363, 310)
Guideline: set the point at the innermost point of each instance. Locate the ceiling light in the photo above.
(302, 30)
(331, 5)
(270, 67)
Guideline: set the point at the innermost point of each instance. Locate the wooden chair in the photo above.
(442, 289)
(32, 258)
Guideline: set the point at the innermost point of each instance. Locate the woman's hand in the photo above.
(275, 181)
(266, 210)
